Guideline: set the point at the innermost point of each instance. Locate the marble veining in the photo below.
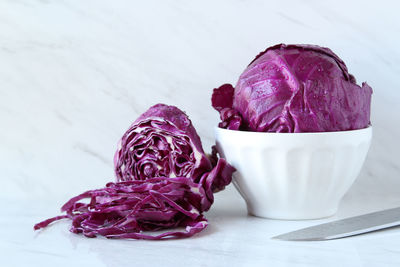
(75, 74)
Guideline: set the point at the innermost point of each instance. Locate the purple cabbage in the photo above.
(164, 181)
(294, 88)
(126, 209)
(163, 142)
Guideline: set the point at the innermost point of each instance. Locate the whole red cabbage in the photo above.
(294, 88)
(164, 180)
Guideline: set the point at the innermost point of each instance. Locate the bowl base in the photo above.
(293, 215)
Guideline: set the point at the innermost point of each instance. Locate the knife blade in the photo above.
(347, 227)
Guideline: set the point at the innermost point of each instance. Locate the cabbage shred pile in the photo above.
(164, 181)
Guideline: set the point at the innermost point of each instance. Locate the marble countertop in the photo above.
(75, 74)
(232, 239)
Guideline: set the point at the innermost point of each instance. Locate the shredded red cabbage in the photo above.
(126, 209)
(164, 181)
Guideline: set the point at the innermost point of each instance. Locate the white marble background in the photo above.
(74, 75)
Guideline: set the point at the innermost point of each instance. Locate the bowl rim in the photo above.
(356, 131)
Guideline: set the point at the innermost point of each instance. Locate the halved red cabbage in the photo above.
(164, 180)
(163, 142)
(294, 88)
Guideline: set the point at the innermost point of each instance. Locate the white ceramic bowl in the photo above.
(294, 176)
